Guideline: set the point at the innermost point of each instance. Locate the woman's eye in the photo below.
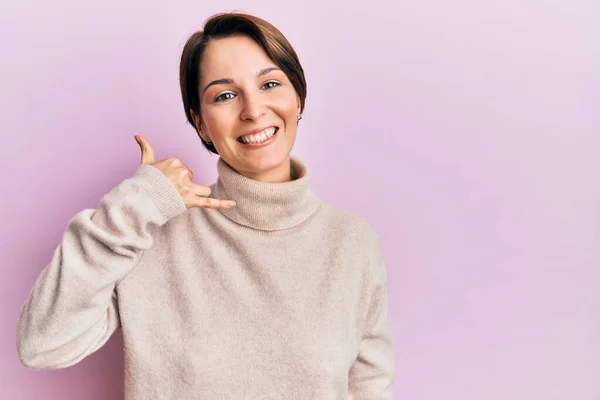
(224, 96)
(270, 85)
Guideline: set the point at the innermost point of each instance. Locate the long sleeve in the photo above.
(72, 309)
(372, 374)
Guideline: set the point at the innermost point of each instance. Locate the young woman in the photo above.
(251, 288)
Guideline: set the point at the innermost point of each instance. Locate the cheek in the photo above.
(219, 121)
(287, 106)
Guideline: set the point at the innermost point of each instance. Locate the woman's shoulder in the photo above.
(350, 223)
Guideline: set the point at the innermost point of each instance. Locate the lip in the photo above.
(255, 131)
(261, 144)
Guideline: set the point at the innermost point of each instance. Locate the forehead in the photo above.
(235, 56)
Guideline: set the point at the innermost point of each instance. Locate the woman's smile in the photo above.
(259, 138)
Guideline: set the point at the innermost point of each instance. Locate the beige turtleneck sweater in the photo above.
(281, 297)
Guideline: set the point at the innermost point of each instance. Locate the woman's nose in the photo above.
(253, 107)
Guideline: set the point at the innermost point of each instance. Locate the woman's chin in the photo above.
(265, 166)
(270, 166)
(265, 163)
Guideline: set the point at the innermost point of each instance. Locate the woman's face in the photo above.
(249, 108)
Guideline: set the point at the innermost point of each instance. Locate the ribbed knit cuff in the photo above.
(161, 190)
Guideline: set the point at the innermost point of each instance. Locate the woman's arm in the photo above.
(72, 309)
(372, 374)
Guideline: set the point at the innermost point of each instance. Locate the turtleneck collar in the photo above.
(266, 206)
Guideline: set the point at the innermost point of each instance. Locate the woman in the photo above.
(251, 288)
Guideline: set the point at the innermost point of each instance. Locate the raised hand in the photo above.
(193, 194)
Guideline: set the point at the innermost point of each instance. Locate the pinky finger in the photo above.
(209, 202)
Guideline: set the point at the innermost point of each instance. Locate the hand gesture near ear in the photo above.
(194, 195)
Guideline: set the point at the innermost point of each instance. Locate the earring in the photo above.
(299, 117)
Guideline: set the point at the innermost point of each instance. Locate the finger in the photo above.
(200, 190)
(147, 150)
(187, 175)
(209, 202)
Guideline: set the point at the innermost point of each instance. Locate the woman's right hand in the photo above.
(181, 176)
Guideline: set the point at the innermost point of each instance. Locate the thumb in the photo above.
(147, 150)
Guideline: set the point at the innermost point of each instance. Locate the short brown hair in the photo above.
(225, 25)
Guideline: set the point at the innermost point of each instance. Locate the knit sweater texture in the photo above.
(281, 297)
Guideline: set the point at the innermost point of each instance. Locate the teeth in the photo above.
(259, 137)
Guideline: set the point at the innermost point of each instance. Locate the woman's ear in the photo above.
(198, 126)
(195, 118)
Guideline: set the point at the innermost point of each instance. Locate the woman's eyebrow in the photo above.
(227, 81)
(222, 81)
(265, 71)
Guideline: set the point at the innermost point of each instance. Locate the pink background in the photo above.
(466, 133)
